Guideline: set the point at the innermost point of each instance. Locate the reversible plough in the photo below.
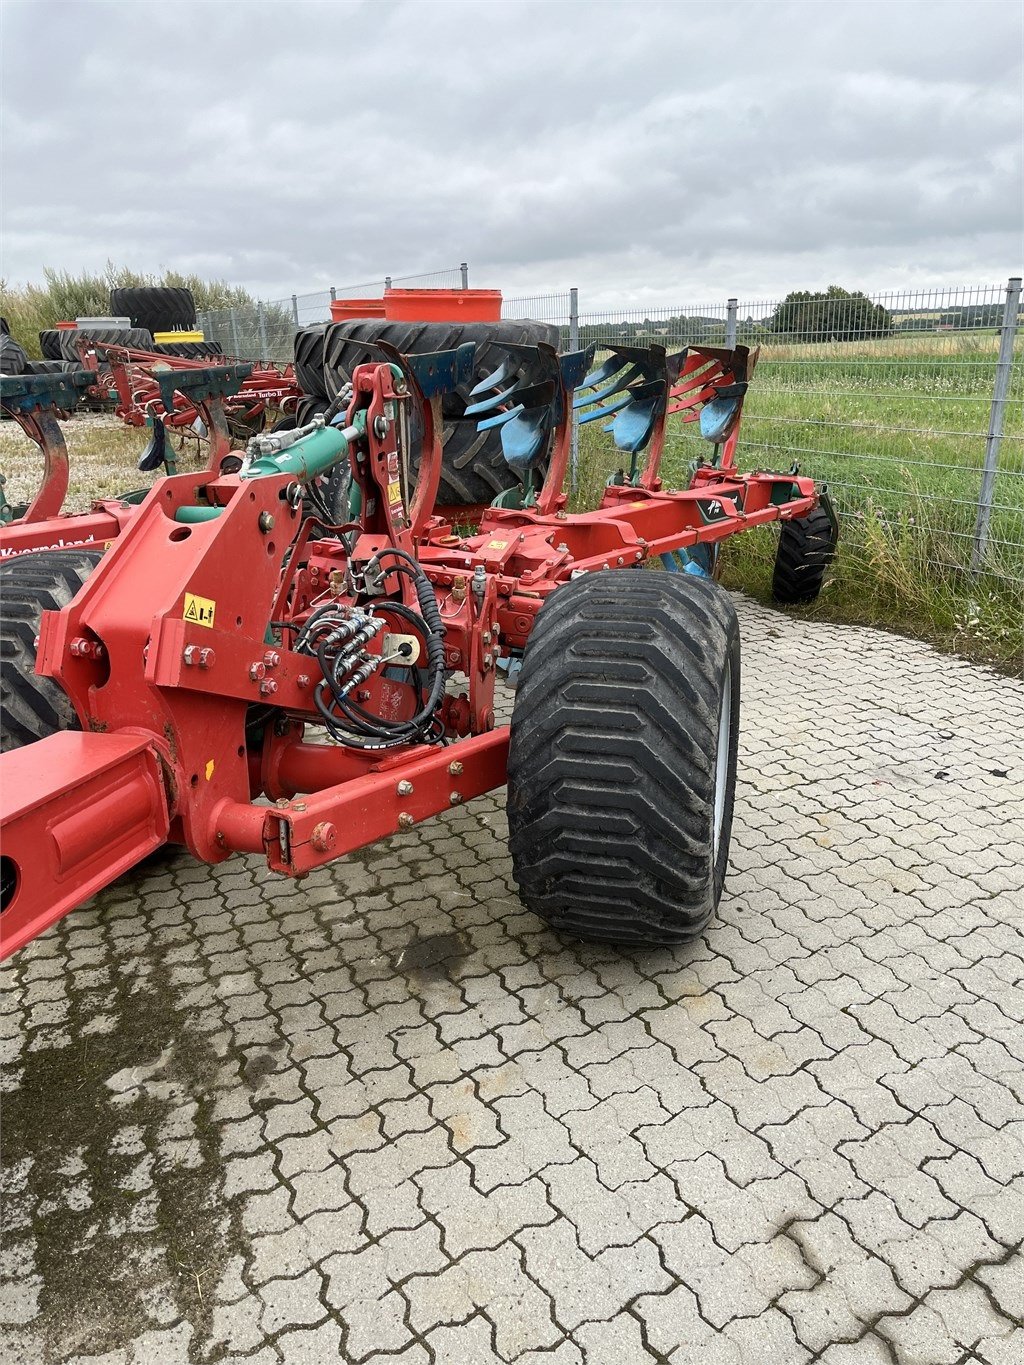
(241, 672)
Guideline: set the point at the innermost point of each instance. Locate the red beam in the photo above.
(309, 831)
(76, 811)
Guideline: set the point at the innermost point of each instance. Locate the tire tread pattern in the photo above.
(612, 771)
(32, 707)
(807, 546)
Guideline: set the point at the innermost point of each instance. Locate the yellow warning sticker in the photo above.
(210, 767)
(394, 493)
(497, 545)
(199, 610)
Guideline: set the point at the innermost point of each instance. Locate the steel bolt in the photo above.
(405, 787)
(487, 661)
(405, 820)
(619, 560)
(268, 687)
(266, 522)
(487, 637)
(207, 658)
(190, 653)
(455, 799)
(324, 837)
(455, 768)
(256, 671)
(302, 680)
(271, 658)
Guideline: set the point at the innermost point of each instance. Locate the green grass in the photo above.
(897, 429)
(907, 497)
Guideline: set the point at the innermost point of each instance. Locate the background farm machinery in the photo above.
(238, 643)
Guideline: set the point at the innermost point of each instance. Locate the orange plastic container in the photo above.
(442, 305)
(344, 310)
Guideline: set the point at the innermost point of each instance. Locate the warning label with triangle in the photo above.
(199, 610)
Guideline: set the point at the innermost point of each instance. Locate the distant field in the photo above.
(897, 429)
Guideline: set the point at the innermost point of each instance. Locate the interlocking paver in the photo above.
(237, 1127)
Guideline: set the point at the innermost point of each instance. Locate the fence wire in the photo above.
(887, 398)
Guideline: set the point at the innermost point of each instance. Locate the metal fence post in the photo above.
(730, 325)
(464, 267)
(295, 308)
(387, 281)
(334, 294)
(237, 351)
(574, 345)
(262, 322)
(1000, 389)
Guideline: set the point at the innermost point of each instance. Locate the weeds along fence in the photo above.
(909, 405)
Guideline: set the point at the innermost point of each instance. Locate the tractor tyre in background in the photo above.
(32, 707)
(622, 763)
(13, 359)
(115, 336)
(807, 546)
(49, 343)
(155, 308)
(305, 410)
(190, 350)
(345, 347)
(309, 361)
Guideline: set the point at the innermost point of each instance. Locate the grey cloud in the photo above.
(647, 152)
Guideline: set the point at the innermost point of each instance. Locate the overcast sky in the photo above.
(649, 153)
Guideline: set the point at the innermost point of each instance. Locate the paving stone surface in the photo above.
(385, 1115)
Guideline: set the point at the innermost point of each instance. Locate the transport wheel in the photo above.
(622, 765)
(155, 308)
(32, 707)
(807, 546)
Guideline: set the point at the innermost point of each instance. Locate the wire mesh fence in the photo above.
(909, 405)
(266, 330)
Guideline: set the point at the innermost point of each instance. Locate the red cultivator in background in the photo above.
(140, 382)
(228, 648)
(150, 390)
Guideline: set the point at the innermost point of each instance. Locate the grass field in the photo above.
(897, 430)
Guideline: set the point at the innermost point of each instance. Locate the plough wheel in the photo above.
(622, 766)
(33, 707)
(807, 546)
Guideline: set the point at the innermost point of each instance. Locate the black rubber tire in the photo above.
(45, 366)
(613, 763)
(807, 546)
(49, 344)
(155, 308)
(309, 361)
(343, 349)
(189, 350)
(13, 359)
(32, 707)
(474, 471)
(136, 337)
(306, 409)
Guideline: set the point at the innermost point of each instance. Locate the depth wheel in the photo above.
(807, 546)
(622, 764)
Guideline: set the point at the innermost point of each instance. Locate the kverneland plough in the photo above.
(228, 648)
